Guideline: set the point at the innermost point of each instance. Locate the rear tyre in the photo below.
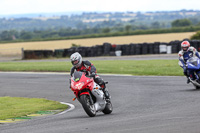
(87, 106)
(108, 109)
(197, 87)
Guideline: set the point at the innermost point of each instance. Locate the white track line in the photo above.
(72, 107)
(66, 73)
(61, 73)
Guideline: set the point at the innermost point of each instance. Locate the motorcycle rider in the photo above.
(186, 53)
(80, 65)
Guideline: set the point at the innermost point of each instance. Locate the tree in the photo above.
(128, 28)
(106, 30)
(5, 36)
(181, 23)
(155, 25)
(196, 36)
(26, 35)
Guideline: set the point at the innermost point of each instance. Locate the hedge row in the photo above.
(108, 49)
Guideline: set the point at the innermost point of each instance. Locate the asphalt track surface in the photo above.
(141, 105)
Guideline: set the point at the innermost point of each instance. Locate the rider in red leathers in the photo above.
(80, 65)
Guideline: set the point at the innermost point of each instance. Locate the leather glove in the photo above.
(93, 74)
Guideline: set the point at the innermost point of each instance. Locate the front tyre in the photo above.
(87, 106)
(108, 109)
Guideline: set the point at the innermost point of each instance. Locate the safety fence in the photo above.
(108, 49)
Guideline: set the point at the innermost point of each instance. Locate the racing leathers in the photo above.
(90, 70)
(183, 57)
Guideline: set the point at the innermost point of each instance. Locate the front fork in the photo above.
(83, 93)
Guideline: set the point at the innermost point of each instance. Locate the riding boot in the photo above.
(107, 95)
(105, 91)
(188, 80)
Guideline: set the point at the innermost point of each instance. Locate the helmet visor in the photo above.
(75, 62)
(185, 48)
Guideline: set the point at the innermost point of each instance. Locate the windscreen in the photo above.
(77, 76)
(193, 61)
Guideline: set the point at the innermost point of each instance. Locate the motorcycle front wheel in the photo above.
(87, 106)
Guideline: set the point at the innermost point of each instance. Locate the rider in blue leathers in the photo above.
(186, 53)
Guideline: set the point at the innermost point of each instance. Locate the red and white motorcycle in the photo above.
(89, 94)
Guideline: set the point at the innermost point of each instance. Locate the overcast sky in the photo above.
(51, 6)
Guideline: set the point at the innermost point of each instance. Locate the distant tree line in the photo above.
(179, 25)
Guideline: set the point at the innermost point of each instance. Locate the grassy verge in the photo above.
(133, 67)
(11, 107)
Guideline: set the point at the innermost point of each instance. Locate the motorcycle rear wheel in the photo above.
(108, 109)
(87, 106)
(197, 87)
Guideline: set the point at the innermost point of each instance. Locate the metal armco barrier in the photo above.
(108, 49)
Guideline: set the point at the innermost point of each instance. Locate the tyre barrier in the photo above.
(59, 53)
(108, 49)
(38, 54)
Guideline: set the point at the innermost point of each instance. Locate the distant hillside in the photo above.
(117, 20)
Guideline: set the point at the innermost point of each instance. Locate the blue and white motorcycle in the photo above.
(193, 64)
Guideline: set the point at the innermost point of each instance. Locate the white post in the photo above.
(169, 49)
(22, 53)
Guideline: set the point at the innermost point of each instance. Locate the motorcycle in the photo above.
(89, 94)
(193, 64)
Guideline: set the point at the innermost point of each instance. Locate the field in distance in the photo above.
(9, 48)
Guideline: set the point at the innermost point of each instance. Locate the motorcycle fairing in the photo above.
(193, 63)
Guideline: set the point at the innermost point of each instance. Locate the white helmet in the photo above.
(185, 45)
(76, 59)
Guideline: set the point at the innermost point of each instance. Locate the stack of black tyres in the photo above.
(94, 50)
(109, 50)
(125, 49)
(138, 49)
(66, 53)
(37, 54)
(144, 48)
(82, 51)
(132, 49)
(178, 43)
(47, 53)
(91, 51)
(195, 44)
(59, 53)
(29, 54)
(106, 48)
(151, 48)
(99, 50)
(176, 46)
(156, 47)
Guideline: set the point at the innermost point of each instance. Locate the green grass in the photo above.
(132, 67)
(11, 107)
